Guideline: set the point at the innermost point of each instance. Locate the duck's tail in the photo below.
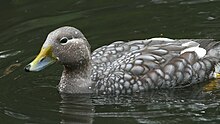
(213, 51)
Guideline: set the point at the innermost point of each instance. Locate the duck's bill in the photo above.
(44, 59)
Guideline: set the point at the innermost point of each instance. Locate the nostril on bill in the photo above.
(27, 68)
(42, 59)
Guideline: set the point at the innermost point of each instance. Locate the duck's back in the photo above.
(125, 67)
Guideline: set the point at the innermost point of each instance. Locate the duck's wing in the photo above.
(105, 56)
(168, 64)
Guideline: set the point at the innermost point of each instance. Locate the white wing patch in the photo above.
(191, 44)
(194, 46)
(161, 39)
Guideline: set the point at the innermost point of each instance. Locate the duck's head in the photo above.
(66, 45)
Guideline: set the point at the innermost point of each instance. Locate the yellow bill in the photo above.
(44, 59)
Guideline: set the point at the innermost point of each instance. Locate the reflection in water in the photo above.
(192, 104)
(10, 69)
(76, 108)
(212, 85)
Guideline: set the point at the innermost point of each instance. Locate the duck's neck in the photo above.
(76, 79)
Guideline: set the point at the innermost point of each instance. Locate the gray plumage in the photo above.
(135, 66)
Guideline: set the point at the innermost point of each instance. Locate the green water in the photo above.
(33, 97)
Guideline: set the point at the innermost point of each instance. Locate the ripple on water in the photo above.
(197, 1)
(170, 107)
(8, 53)
(16, 115)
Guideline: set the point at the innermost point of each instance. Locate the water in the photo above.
(33, 97)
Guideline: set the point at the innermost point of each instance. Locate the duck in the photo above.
(127, 67)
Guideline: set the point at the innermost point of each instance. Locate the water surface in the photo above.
(33, 97)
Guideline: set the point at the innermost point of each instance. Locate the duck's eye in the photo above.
(63, 40)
